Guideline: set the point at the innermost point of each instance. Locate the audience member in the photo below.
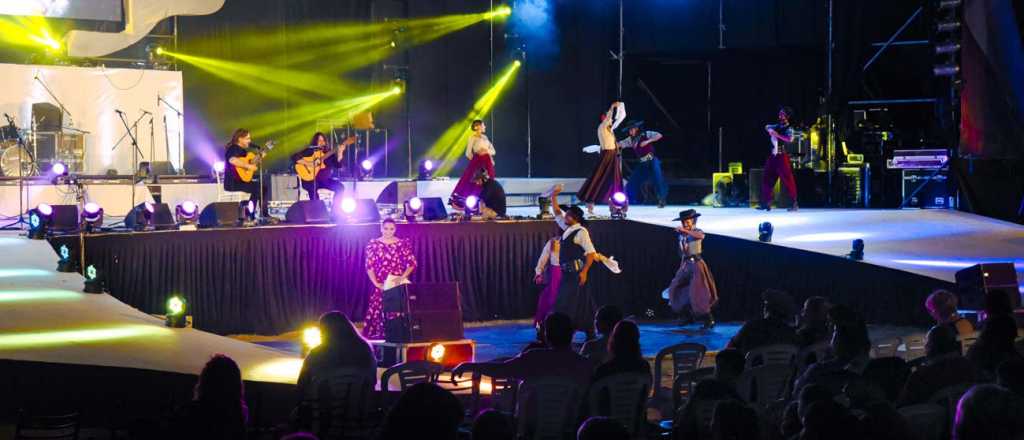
(941, 305)
(218, 409)
(813, 322)
(557, 360)
(850, 347)
(827, 420)
(792, 416)
(604, 321)
(944, 366)
(732, 420)
(341, 346)
(1010, 375)
(538, 341)
(889, 374)
(994, 346)
(602, 428)
(492, 425)
(876, 414)
(998, 303)
(988, 412)
(624, 355)
(774, 326)
(723, 386)
(425, 411)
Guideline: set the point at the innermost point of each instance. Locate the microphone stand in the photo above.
(21, 178)
(136, 151)
(181, 133)
(61, 104)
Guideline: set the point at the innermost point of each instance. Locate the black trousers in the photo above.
(253, 188)
(324, 180)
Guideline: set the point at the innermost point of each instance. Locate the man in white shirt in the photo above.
(577, 255)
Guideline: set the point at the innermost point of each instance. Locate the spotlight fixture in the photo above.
(218, 168)
(247, 211)
(59, 169)
(93, 280)
(175, 317)
(413, 208)
(140, 217)
(65, 264)
(365, 169)
(764, 232)
(311, 338)
(186, 213)
(426, 170)
(619, 204)
(39, 220)
(92, 217)
(472, 206)
(856, 250)
(544, 203)
(437, 353)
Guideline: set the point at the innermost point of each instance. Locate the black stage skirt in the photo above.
(605, 180)
(576, 301)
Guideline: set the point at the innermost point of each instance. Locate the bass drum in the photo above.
(9, 161)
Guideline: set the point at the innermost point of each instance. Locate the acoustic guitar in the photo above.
(307, 172)
(253, 155)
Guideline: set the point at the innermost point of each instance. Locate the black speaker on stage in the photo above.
(308, 212)
(140, 217)
(221, 214)
(433, 209)
(974, 282)
(397, 192)
(65, 218)
(47, 117)
(423, 312)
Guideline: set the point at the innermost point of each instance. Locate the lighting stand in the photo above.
(136, 152)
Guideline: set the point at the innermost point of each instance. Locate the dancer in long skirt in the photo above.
(606, 179)
(549, 274)
(386, 256)
(692, 291)
(480, 152)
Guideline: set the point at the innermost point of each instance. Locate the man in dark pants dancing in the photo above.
(777, 166)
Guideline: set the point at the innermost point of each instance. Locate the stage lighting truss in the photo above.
(39, 220)
(93, 280)
(91, 217)
(619, 205)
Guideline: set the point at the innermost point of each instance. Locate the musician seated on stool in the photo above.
(316, 166)
(492, 195)
(243, 160)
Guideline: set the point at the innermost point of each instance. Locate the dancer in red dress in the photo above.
(606, 179)
(480, 152)
(548, 263)
(385, 255)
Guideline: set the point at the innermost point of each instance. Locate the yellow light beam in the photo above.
(42, 339)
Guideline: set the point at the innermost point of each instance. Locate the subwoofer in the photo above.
(306, 212)
(423, 312)
(974, 282)
(219, 214)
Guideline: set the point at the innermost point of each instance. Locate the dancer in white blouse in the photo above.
(480, 152)
(606, 179)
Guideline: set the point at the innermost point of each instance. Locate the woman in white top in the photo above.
(480, 152)
(606, 179)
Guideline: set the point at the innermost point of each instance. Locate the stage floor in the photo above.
(929, 242)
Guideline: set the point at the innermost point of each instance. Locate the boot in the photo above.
(686, 317)
(709, 322)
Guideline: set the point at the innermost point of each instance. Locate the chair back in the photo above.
(502, 391)
(684, 357)
(928, 420)
(624, 394)
(54, 427)
(966, 342)
(548, 408)
(765, 384)
(682, 387)
(705, 411)
(778, 354)
(949, 397)
(886, 347)
(341, 405)
(411, 373)
(913, 347)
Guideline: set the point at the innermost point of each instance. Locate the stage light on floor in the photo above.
(39, 221)
(619, 204)
(365, 169)
(472, 206)
(65, 263)
(59, 169)
(413, 208)
(311, 338)
(186, 213)
(246, 211)
(92, 217)
(348, 205)
(426, 170)
(544, 204)
(764, 232)
(175, 317)
(857, 250)
(93, 280)
(437, 353)
(140, 217)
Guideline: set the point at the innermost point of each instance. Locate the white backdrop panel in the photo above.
(91, 95)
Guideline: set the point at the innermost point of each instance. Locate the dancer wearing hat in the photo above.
(606, 179)
(693, 287)
(650, 166)
(777, 166)
(576, 256)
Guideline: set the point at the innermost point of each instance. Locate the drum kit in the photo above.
(24, 153)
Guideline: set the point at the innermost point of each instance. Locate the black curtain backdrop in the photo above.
(272, 280)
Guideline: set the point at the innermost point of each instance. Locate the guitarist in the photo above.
(238, 155)
(777, 166)
(315, 166)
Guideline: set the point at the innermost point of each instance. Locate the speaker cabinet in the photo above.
(65, 218)
(423, 312)
(433, 209)
(974, 282)
(160, 219)
(220, 214)
(308, 212)
(397, 193)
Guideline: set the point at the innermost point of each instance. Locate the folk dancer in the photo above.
(480, 152)
(650, 166)
(692, 291)
(777, 165)
(606, 179)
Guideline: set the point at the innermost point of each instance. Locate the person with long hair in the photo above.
(235, 153)
(321, 162)
(624, 354)
(386, 256)
(341, 346)
(217, 409)
(606, 179)
(480, 152)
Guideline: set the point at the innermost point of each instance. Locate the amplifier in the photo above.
(974, 282)
(422, 312)
(918, 159)
(934, 194)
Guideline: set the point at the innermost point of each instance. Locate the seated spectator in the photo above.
(1010, 375)
(492, 425)
(889, 374)
(995, 345)
(218, 409)
(941, 305)
(425, 410)
(624, 355)
(878, 418)
(792, 418)
(604, 321)
(850, 347)
(602, 428)
(538, 342)
(988, 412)
(998, 303)
(557, 360)
(827, 420)
(733, 420)
(813, 322)
(774, 327)
(341, 346)
(728, 368)
(944, 366)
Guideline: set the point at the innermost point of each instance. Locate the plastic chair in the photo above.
(928, 420)
(886, 347)
(765, 384)
(966, 342)
(548, 408)
(503, 392)
(624, 394)
(58, 427)
(409, 374)
(705, 410)
(342, 406)
(778, 354)
(682, 387)
(913, 347)
(686, 357)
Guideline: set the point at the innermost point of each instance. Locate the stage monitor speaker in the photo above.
(221, 214)
(65, 218)
(423, 312)
(308, 212)
(47, 117)
(366, 212)
(161, 218)
(161, 168)
(974, 282)
(397, 193)
(433, 209)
